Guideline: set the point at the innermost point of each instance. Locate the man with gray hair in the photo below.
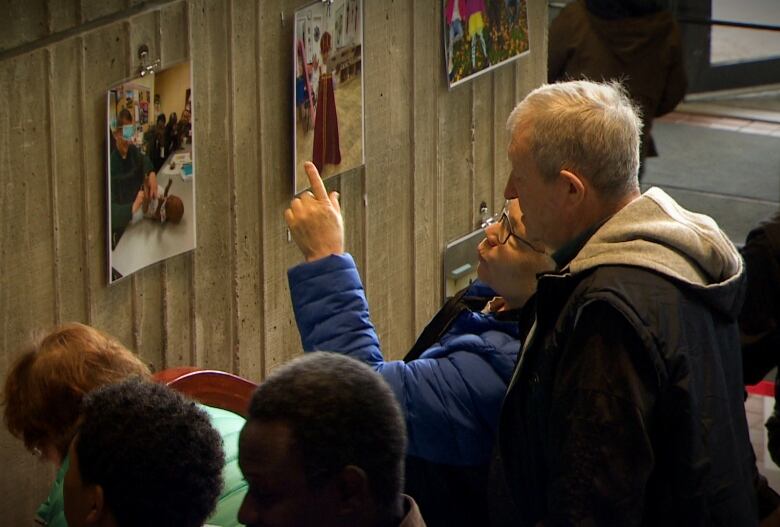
(324, 445)
(625, 407)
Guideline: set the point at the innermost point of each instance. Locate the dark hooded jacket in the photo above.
(626, 404)
(644, 51)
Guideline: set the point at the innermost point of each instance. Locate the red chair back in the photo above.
(210, 387)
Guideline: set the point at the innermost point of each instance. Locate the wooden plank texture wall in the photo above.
(431, 156)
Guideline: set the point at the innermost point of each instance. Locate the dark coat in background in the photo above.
(644, 51)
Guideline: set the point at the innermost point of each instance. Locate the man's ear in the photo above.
(96, 503)
(573, 187)
(354, 491)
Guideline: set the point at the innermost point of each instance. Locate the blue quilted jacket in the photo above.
(451, 395)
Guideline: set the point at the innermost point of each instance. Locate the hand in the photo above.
(139, 200)
(314, 219)
(150, 185)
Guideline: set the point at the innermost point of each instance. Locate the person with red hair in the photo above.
(43, 396)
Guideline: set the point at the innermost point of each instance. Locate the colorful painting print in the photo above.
(327, 89)
(480, 35)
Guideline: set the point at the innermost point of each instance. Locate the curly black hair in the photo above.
(340, 413)
(154, 452)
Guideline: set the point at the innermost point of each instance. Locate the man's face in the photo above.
(535, 196)
(78, 498)
(279, 495)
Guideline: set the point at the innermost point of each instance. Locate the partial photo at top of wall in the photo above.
(328, 89)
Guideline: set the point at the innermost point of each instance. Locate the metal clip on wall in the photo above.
(147, 67)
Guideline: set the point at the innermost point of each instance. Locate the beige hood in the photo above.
(656, 233)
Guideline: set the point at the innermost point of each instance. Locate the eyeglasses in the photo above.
(505, 230)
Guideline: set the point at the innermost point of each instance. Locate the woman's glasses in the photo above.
(506, 230)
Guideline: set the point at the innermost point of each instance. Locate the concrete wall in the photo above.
(431, 157)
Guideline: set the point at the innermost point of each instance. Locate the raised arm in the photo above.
(451, 399)
(327, 294)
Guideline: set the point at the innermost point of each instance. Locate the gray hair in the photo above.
(589, 128)
(340, 413)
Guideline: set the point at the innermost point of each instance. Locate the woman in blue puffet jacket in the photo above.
(451, 395)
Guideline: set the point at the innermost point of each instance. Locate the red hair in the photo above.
(44, 388)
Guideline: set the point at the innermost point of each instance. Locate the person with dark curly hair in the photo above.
(324, 445)
(143, 455)
(42, 406)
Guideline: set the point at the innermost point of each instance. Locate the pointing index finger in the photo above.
(317, 187)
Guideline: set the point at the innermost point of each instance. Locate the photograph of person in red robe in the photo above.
(326, 122)
(328, 89)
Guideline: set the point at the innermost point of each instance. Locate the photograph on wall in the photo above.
(150, 171)
(480, 35)
(328, 89)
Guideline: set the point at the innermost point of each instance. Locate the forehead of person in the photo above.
(279, 493)
(546, 202)
(125, 117)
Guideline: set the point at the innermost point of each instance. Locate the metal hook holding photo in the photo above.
(146, 66)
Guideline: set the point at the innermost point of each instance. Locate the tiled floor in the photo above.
(758, 408)
(725, 166)
(747, 126)
(731, 44)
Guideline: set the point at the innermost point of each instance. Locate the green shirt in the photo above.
(52, 514)
(229, 426)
